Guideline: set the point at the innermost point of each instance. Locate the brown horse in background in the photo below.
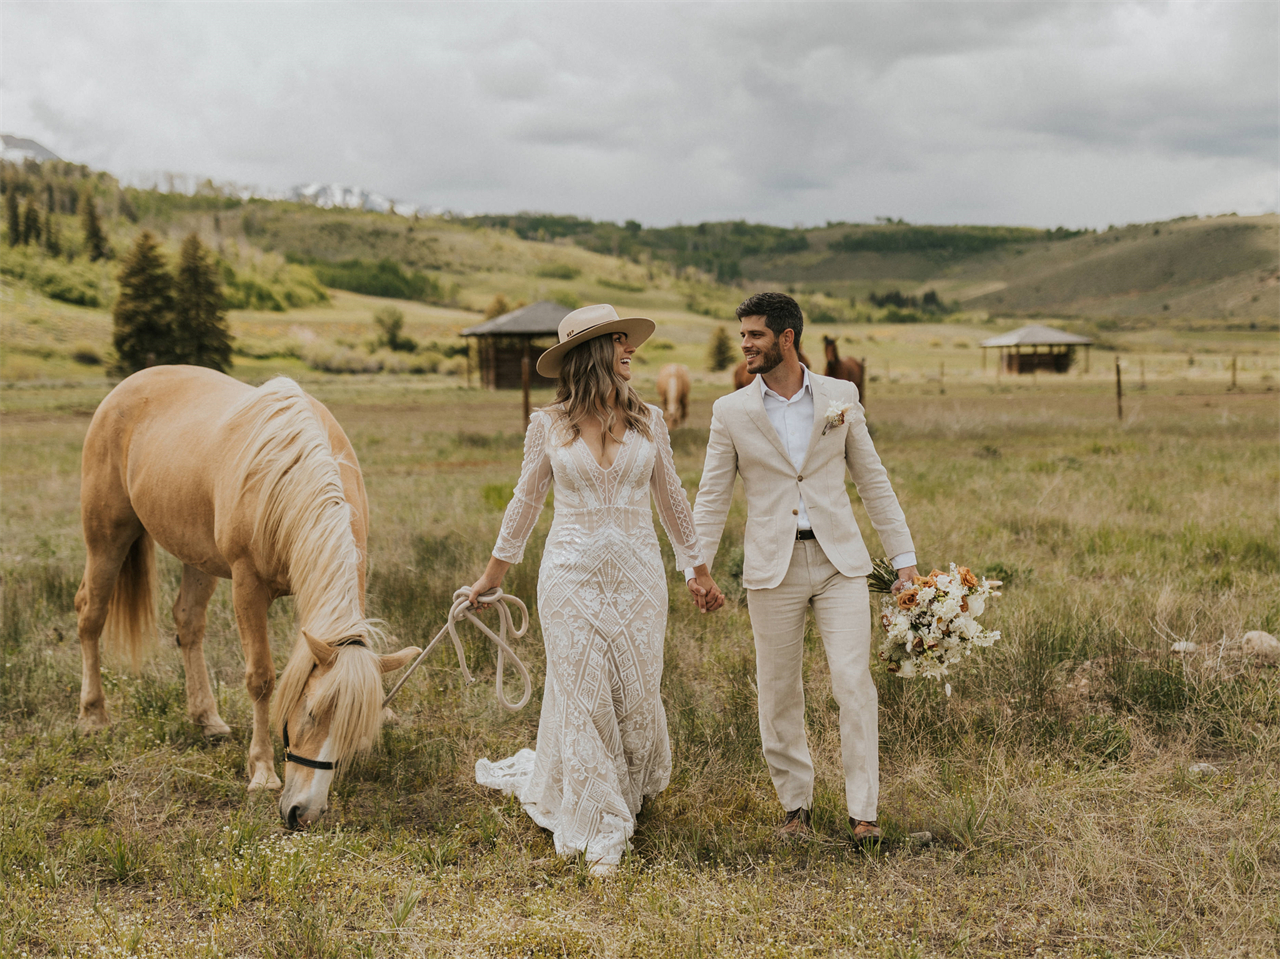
(673, 388)
(843, 369)
(741, 377)
(261, 487)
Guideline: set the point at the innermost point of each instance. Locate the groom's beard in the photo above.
(765, 361)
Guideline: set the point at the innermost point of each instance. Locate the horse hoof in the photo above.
(215, 729)
(93, 721)
(264, 781)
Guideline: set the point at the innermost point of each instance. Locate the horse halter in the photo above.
(321, 764)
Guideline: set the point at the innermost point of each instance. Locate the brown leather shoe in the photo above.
(795, 825)
(864, 830)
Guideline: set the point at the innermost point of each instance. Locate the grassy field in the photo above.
(1055, 781)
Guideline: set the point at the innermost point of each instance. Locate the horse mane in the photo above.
(303, 529)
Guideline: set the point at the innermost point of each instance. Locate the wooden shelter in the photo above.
(508, 350)
(1036, 347)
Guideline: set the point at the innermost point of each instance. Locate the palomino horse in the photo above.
(741, 377)
(673, 387)
(259, 486)
(846, 369)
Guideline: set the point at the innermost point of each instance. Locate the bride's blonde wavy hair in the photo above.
(587, 377)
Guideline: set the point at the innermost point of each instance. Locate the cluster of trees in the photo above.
(714, 248)
(161, 317)
(930, 302)
(35, 224)
(901, 237)
(383, 278)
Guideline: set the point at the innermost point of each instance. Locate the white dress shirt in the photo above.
(792, 420)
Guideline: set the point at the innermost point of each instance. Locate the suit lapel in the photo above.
(756, 413)
(819, 416)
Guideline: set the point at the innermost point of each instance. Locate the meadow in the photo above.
(1055, 782)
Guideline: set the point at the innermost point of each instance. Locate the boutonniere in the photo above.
(835, 416)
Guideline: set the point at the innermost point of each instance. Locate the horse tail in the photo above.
(130, 628)
(673, 391)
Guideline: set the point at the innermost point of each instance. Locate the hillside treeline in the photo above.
(66, 226)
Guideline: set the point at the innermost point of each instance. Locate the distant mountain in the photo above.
(330, 195)
(16, 149)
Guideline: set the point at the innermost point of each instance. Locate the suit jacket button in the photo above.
(799, 479)
(795, 512)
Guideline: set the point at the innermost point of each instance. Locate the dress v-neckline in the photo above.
(622, 444)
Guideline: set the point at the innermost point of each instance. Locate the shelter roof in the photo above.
(1037, 335)
(537, 319)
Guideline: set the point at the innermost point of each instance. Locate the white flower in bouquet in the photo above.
(932, 624)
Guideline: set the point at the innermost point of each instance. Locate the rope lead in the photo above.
(461, 609)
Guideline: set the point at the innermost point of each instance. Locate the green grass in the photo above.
(1054, 779)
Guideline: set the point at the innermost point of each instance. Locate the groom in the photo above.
(792, 434)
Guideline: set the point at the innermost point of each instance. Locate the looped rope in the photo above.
(461, 609)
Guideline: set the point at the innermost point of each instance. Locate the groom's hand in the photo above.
(905, 575)
(705, 593)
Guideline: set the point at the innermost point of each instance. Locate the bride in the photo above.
(602, 592)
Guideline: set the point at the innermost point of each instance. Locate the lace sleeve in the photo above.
(672, 501)
(530, 493)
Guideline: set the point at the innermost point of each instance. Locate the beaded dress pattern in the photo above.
(602, 601)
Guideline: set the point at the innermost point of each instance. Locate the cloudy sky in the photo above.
(950, 112)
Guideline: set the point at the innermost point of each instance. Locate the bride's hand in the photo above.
(491, 579)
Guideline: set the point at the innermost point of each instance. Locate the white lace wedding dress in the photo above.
(602, 599)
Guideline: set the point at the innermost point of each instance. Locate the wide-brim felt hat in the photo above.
(588, 323)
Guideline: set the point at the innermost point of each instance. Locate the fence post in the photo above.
(1233, 371)
(1119, 394)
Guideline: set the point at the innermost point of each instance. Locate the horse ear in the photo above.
(394, 661)
(322, 653)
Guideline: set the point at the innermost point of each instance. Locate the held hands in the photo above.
(904, 579)
(706, 594)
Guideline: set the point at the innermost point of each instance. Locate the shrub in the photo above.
(823, 315)
(621, 285)
(75, 283)
(567, 298)
(384, 278)
(86, 354)
(559, 271)
(391, 322)
(658, 343)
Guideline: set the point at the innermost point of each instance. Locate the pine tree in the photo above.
(95, 241)
(52, 242)
(201, 334)
(143, 314)
(12, 214)
(720, 351)
(31, 222)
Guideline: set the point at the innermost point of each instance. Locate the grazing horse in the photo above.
(673, 387)
(259, 486)
(846, 369)
(741, 377)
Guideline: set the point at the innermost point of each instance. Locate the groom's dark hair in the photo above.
(780, 312)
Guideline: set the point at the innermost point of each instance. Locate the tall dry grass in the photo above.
(1055, 781)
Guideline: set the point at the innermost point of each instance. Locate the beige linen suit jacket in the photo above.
(743, 441)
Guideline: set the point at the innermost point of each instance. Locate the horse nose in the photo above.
(291, 820)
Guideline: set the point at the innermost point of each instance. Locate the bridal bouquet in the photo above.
(931, 624)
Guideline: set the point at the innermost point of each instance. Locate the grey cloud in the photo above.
(1001, 112)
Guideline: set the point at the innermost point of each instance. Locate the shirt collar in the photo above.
(765, 391)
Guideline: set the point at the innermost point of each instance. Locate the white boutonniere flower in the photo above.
(835, 416)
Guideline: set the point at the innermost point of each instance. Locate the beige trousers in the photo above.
(843, 614)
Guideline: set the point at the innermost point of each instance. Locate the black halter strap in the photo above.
(297, 760)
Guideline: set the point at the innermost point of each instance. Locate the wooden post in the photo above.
(524, 380)
(942, 377)
(1142, 372)
(1233, 371)
(468, 364)
(1086, 356)
(1119, 394)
